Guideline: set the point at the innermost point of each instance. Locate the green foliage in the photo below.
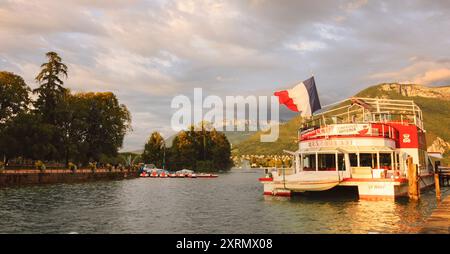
(25, 136)
(204, 149)
(154, 150)
(13, 95)
(205, 166)
(107, 123)
(51, 91)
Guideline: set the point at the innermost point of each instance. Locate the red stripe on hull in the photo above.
(400, 180)
(283, 194)
(376, 197)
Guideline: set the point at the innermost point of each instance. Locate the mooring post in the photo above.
(417, 180)
(436, 185)
(437, 180)
(412, 180)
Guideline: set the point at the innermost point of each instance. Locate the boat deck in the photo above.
(439, 221)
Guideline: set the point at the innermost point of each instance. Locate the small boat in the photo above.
(143, 174)
(172, 175)
(203, 175)
(154, 174)
(163, 174)
(192, 175)
(184, 172)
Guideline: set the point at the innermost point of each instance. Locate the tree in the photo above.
(203, 149)
(72, 114)
(14, 100)
(25, 136)
(154, 150)
(51, 88)
(220, 150)
(107, 122)
(13, 95)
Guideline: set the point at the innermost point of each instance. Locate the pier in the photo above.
(439, 221)
(9, 178)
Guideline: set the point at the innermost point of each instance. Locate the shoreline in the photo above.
(17, 178)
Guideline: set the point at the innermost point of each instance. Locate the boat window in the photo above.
(309, 162)
(327, 162)
(341, 162)
(385, 161)
(422, 161)
(397, 161)
(353, 159)
(367, 160)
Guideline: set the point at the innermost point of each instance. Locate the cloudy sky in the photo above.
(146, 52)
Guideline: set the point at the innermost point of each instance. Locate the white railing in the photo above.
(364, 110)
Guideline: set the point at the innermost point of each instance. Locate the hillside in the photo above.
(434, 102)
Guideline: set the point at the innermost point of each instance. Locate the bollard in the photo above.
(413, 187)
(437, 187)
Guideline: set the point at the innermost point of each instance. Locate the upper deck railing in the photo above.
(367, 110)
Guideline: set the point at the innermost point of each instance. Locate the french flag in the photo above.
(301, 98)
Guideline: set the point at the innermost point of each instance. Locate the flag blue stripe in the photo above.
(314, 101)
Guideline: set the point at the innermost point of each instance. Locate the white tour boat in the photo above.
(364, 143)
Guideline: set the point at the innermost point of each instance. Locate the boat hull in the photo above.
(368, 189)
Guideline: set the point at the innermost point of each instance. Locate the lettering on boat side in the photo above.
(225, 244)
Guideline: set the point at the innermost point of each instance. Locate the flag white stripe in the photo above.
(299, 94)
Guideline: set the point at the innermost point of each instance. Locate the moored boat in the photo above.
(204, 175)
(163, 174)
(154, 174)
(366, 143)
(185, 172)
(191, 175)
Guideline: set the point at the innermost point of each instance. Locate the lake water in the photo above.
(231, 203)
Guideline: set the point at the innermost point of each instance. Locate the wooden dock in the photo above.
(439, 221)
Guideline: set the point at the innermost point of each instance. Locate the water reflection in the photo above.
(232, 203)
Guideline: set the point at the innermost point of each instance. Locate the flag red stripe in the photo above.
(283, 97)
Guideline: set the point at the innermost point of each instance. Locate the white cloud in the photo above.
(305, 46)
(426, 72)
(354, 5)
